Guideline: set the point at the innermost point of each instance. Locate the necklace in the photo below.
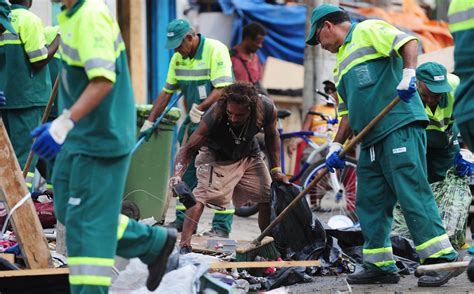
(241, 138)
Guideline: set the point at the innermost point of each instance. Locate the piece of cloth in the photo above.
(19, 123)
(196, 77)
(240, 181)
(246, 69)
(88, 194)
(394, 169)
(467, 133)
(224, 145)
(89, 176)
(461, 25)
(24, 86)
(367, 72)
(110, 129)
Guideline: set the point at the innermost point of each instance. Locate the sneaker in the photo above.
(373, 276)
(185, 249)
(175, 225)
(157, 269)
(470, 270)
(439, 278)
(216, 233)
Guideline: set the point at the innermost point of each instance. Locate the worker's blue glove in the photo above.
(51, 136)
(463, 167)
(3, 99)
(333, 160)
(407, 86)
(146, 130)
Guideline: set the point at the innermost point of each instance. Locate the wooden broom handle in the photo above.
(324, 171)
(49, 106)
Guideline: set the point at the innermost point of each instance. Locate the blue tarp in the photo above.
(285, 27)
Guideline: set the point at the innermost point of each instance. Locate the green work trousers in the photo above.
(222, 220)
(390, 170)
(439, 160)
(467, 133)
(88, 197)
(19, 124)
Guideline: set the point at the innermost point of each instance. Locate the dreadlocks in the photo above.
(242, 93)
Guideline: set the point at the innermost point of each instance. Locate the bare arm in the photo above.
(215, 94)
(344, 130)
(409, 53)
(159, 105)
(272, 142)
(95, 92)
(52, 48)
(185, 154)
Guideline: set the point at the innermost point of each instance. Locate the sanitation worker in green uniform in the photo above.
(375, 63)
(200, 68)
(92, 138)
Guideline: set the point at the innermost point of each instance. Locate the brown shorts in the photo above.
(239, 181)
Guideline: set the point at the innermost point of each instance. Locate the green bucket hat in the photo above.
(175, 33)
(318, 13)
(434, 75)
(5, 16)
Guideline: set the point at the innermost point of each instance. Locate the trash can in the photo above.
(147, 180)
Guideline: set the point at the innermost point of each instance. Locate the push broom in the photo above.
(263, 245)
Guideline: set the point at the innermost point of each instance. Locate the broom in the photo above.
(263, 245)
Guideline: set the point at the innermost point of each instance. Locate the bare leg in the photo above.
(192, 218)
(263, 215)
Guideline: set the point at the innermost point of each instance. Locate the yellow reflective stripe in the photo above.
(69, 53)
(180, 207)
(123, 223)
(355, 58)
(37, 55)
(461, 20)
(90, 261)
(9, 38)
(435, 247)
(30, 174)
(399, 41)
(99, 63)
(29, 185)
(192, 72)
(227, 211)
(90, 280)
(221, 81)
(440, 125)
(49, 186)
(91, 270)
(384, 263)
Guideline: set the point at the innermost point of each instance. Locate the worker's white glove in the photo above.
(335, 146)
(195, 114)
(146, 125)
(407, 86)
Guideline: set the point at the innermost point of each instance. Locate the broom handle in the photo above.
(346, 149)
(54, 92)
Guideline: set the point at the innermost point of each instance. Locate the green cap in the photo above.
(5, 16)
(434, 75)
(318, 13)
(175, 33)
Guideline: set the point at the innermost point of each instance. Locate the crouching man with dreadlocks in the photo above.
(228, 165)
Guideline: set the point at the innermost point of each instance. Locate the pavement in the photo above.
(247, 229)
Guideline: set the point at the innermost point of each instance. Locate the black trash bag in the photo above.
(347, 237)
(299, 232)
(287, 276)
(404, 247)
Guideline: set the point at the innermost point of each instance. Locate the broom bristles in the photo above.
(266, 248)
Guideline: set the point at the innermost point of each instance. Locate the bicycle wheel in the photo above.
(336, 201)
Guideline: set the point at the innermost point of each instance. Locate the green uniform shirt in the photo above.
(367, 72)
(461, 25)
(196, 77)
(92, 47)
(23, 85)
(441, 131)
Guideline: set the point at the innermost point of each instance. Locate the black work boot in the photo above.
(216, 233)
(373, 276)
(470, 270)
(438, 278)
(157, 269)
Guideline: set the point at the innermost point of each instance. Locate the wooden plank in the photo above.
(35, 272)
(10, 257)
(25, 221)
(264, 264)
